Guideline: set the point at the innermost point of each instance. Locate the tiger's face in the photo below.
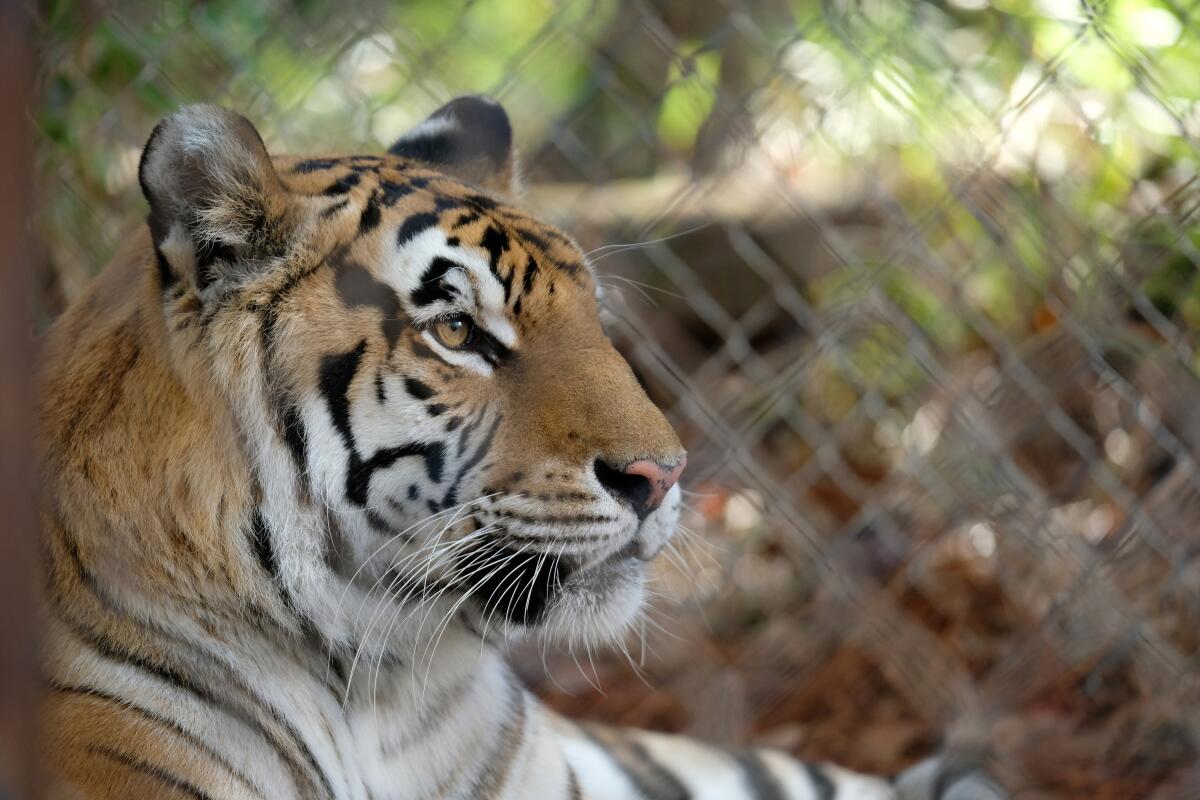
(432, 375)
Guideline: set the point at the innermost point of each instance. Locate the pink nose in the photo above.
(642, 483)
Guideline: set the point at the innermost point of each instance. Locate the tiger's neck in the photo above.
(145, 474)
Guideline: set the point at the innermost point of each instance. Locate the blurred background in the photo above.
(918, 282)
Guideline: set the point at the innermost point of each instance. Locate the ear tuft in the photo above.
(469, 138)
(212, 189)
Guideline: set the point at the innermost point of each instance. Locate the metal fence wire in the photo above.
(918, 283)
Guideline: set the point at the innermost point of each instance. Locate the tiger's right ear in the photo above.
(217, 205)
(469, 138)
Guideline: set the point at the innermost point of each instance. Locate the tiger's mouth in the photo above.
(515, 579)
(524, 588)
(596, 591)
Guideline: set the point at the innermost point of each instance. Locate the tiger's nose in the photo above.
(643, 483)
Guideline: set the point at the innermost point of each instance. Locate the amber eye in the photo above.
(453, 332)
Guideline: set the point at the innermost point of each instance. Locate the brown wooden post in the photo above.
(18, 568)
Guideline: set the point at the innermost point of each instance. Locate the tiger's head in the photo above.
(417, 370)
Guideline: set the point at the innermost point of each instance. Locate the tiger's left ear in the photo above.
(469, 138)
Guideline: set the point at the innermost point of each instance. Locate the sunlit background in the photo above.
(917, 282)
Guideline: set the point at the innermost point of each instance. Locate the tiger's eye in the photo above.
(453, 332)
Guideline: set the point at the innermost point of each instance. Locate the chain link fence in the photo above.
(919, 284)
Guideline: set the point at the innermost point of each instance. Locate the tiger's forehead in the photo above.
(437, 242)
(391, 186)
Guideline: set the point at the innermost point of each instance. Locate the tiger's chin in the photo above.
(597, 605)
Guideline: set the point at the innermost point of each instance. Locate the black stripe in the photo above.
(287, 419)
(358, 476)
(315, 165)
(334, 209)
(336, 374)
(652, 780)
(179, 681)
(431, 288)
(826, 790)
(264, 551)
(494, 775)
(391, 191)
(539, 239)
(154, 771)
(298, 740)
(480, 202)
(434, 454)
(452, 492)
(523, 222)
(464, 437)
(195, 741)
(113, 652)
(531, 270)
(520, 538)
(435, 713)
(296, 438)
(371, 214)
(761, 782)
(562, 520)
(166, 275)
(103, 646)
(657, 779)
(407, 586)
(490, 348)
(342, 185)
(495, 241)
(414, 226)
(573, 790)
(418, 389)
(379, 524)
(334, 661)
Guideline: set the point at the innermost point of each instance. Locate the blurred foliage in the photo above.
(1089, 110)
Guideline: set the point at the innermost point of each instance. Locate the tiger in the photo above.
(324, 436)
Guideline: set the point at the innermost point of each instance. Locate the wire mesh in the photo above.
(917, 282)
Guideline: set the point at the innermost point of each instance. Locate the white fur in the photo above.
(432, 127)
(481, 294)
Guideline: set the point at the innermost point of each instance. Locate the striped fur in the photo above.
(288, 523)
